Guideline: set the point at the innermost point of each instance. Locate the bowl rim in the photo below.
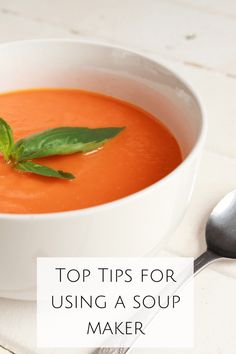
(187, 160)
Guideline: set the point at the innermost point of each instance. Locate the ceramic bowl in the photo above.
(135, 225)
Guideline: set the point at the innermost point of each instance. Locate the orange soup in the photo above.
(140, 155)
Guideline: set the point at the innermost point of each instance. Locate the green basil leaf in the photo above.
(62, 141)
(32, 167)
(6, 139)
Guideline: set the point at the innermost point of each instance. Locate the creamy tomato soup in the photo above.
(139, 156)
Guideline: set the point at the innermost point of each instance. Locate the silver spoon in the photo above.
(221, 243)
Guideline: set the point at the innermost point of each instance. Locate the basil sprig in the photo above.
(57, 141)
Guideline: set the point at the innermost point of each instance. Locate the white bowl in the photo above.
(132, 226)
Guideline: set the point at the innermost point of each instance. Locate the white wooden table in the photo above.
(198, 39)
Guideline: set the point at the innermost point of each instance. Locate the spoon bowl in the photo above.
(220, 233)
(221, 227)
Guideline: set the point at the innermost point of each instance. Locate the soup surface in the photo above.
(139, 156)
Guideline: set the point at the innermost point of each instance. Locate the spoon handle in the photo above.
(202, 261)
